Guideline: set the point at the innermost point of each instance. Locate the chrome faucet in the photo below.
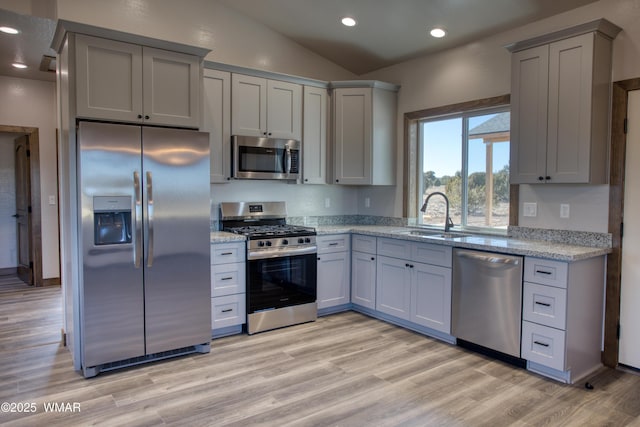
(447, 222)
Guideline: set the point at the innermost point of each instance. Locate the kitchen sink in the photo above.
(435, 234)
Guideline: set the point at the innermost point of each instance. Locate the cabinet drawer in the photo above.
(431, 254)
(361, 243)
(333, 243)
(394, 248)
(228, 311)
(543, 345)
(224, 253)
(228, 279)
(545, 272)
(544, 305)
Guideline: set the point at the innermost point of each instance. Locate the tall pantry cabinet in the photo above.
(560, 87)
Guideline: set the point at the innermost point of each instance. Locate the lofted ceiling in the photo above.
(388, 31)
(392, 31)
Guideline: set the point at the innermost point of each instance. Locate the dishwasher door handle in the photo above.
(489, 258)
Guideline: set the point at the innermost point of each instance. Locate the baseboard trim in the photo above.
(10, 271)
(53, 281)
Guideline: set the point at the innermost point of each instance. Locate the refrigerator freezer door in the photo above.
(111, 295)
(177, 251)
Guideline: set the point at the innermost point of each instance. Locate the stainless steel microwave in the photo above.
(265, 158)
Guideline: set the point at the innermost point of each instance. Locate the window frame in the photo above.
(413, 174)
(465, 117)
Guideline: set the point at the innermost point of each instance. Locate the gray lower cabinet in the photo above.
(228, 288)
(334, 272)
(562, 317)
(363, 271)
(414, 282)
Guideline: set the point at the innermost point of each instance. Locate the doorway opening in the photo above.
(26, 260)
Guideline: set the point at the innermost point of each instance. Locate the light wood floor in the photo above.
(343, 370)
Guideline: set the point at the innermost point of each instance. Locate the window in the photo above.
(466, 157)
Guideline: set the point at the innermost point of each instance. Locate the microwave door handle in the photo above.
(288, 160)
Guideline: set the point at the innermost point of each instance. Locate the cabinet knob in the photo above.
(146, 117)
(269, 134)
(373, 259)
(337, 180)
(139, 116)
(541, 178)
(318, 258)
(547, 178)
(264, 133)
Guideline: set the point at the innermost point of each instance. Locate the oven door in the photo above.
(281, 282)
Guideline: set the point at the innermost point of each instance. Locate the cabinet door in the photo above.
(529, 94)
(248, 105)
(314, 138)
(333, 279)
(217, 121)
(108, 79)
(284, 110)
(352, 127)
(431, 297)
(171, 88)
(363, 279)
(393, 287)
(570, 97)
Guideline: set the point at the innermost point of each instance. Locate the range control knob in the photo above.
(307, 240)
(261, 243)
(285, 242)
(268, 243)
(300, 240)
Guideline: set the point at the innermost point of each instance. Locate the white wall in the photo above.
(482, 70)
(31, 103)
(8, 243)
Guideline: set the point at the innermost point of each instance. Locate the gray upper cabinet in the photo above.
(314, 135)
(265, 108)
(125, 82)
(217, 121)
(364, 133)
(560, 88)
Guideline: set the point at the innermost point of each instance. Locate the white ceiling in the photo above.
(388, 31)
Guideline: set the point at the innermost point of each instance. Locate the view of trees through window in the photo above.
(466, 157)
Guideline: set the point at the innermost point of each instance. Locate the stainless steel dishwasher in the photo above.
(487, 301)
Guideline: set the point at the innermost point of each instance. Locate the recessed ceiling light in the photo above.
(438, 33)
(9, 30)
(18, 65)
(348, 21)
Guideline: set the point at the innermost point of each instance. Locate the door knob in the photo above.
(15, 216)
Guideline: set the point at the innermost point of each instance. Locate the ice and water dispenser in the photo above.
(112, 220)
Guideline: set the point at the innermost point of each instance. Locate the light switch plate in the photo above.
(564, 210)
(530, 209)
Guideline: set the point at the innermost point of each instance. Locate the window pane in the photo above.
(488, 171)
(442, 166)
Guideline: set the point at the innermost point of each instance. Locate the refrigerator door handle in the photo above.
(149, 219)
(137, 220)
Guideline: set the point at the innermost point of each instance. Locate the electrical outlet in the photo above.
(327, 202)
(367, 202)
(564, 210)
(52, 200)
(530, 209)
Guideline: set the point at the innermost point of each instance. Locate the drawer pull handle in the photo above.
(546, 304)
(333, 244)
(229, 278)
(544, 344)
(226, 253)
(543, 272)
(226, 310)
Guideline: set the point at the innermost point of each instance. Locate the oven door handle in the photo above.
(281, 253)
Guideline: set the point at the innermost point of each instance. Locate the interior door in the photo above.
(629, 346)
(23, 209)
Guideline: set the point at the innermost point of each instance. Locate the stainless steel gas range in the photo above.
(281, 264)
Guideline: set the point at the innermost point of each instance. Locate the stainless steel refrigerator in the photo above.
(144, 244)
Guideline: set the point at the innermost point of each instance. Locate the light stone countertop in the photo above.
(225, 237)
(506, 245)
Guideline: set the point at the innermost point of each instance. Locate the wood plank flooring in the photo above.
(342, 370)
